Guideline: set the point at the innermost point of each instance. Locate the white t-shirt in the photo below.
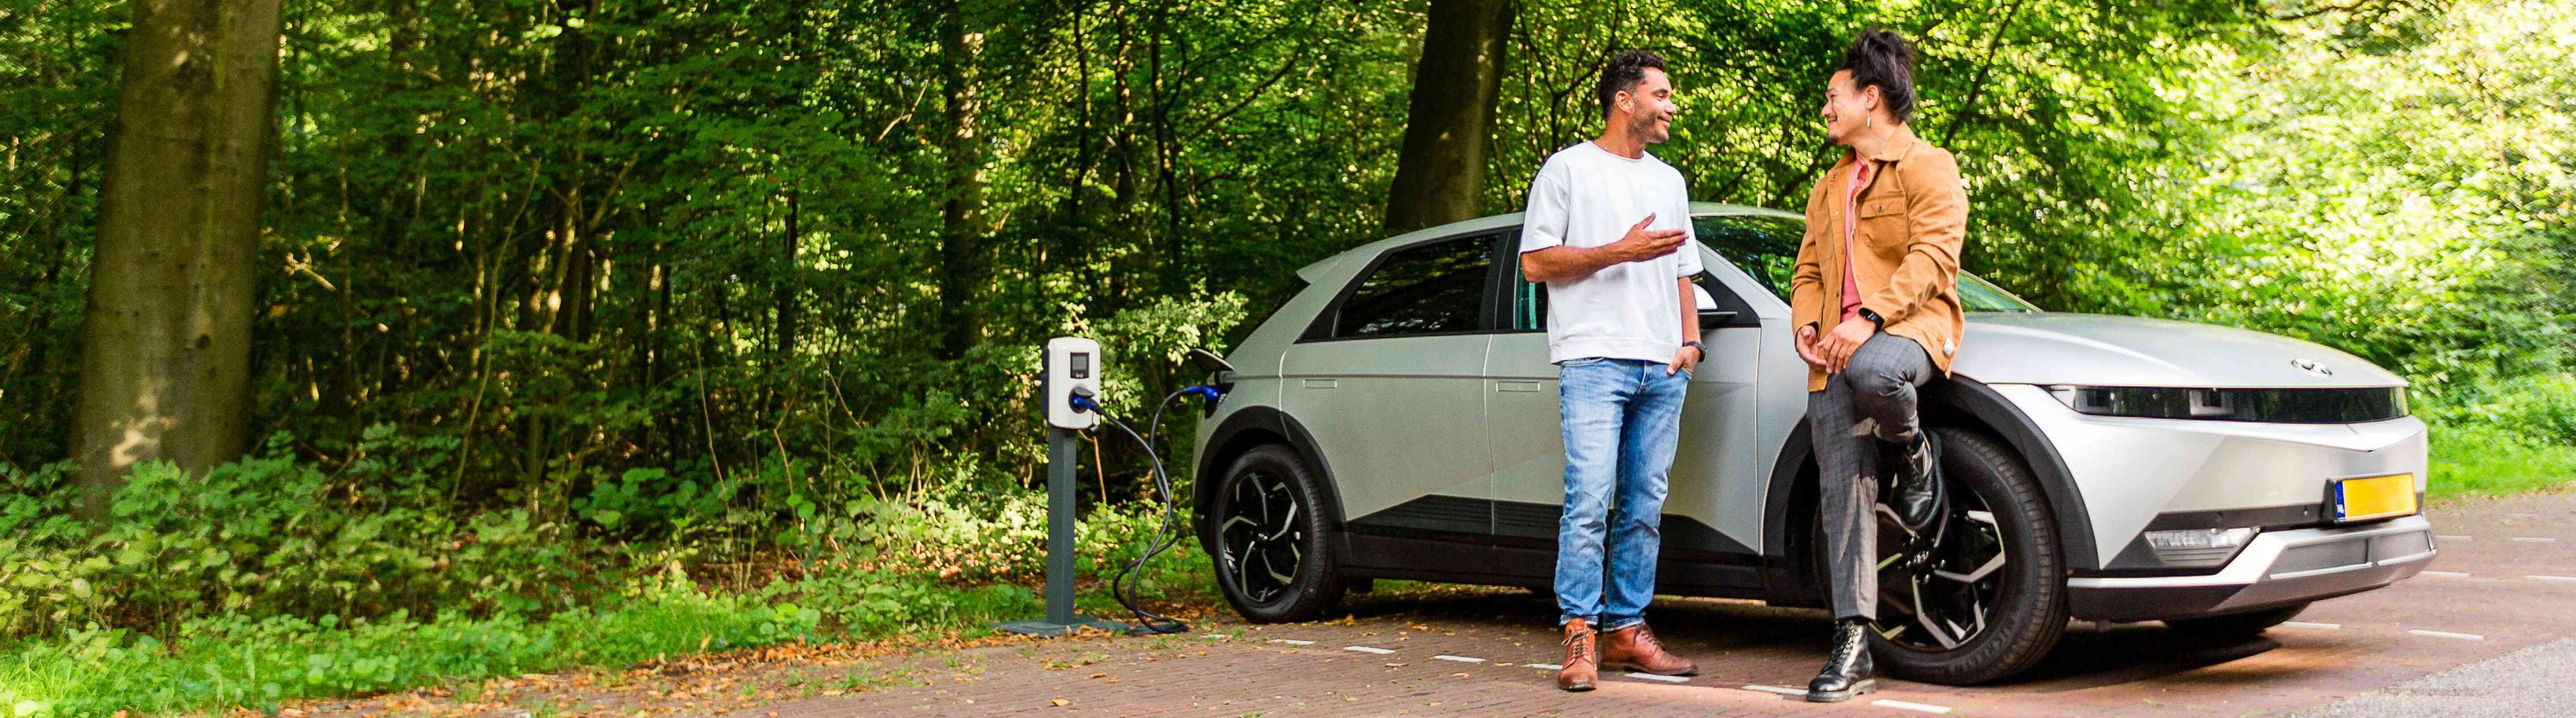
(1586, 196)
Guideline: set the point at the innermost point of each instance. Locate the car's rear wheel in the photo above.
(1273, 539)
(1978, 596)
(2237, 625)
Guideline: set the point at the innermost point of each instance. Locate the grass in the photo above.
(233, 662)
(2475, 460)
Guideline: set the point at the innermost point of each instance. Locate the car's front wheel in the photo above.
(1978, 596)
(1273, 538)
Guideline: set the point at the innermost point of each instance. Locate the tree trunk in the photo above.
(165, 366)
(1440, 174)
(963, 264)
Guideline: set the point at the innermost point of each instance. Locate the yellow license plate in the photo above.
(2374, 497)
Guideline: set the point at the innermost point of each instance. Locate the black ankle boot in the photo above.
(1847, 671)
(1917, 498)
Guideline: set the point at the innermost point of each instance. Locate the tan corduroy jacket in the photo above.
(1913, 218)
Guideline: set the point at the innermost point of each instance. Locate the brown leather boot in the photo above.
(1635, 648)
(1580, 667)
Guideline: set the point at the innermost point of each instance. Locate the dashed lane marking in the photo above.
(2311, 624)
(1545, 666)
(1214, 636)
(2557, 579)
(1292, 641)
(1369, 649)
(1460, 659)
(1924, 707)
(1653, 677)
(2448, 537)
(2448, 574)
(2533, 539)
(1777, 689)
(2448, 634)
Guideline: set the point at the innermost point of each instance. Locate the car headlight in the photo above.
(2288, 406)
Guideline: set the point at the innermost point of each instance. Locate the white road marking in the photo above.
(1545, 666)
(2448, 634)
(1460, 659)
(1777, 689)
(1214, 636)
(1924, 707)
(2533, 539)
(2560, 579)
(2448, 537)
(1369, 649)
(2448, 574)
(1292, 641)
(2310, 624)
(1653, 677)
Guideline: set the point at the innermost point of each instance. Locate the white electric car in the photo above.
(1398, 419)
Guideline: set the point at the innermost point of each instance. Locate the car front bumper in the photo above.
(2276, 568)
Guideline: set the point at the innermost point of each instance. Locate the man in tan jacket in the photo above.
(1875, 299)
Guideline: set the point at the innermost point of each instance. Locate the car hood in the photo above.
(2103, 350)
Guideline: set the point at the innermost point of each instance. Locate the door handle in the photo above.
(1322, 383)
(1515, 385)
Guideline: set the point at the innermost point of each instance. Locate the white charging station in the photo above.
(1072, 365)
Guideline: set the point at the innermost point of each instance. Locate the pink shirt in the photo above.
(1851, 224)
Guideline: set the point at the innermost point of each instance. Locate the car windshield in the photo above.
(1767, 248)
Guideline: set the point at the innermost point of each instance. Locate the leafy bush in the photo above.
(2540, 408)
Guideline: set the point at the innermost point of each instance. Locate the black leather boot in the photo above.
(1848, 671)
(1917, 496)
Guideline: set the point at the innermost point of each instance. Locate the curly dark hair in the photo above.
(1622, 73)
(1879, 57)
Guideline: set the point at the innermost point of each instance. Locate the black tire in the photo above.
(2237, 625)
(1271, 536)
(1999, 620)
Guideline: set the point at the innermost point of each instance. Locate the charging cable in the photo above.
(1123, 587)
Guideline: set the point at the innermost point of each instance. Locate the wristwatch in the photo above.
(1703, 349)
(1873, 317)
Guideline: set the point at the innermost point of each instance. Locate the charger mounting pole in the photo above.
(1072, 367)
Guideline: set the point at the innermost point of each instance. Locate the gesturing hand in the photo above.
(1641, 244)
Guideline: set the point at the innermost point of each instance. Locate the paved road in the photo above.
(2461, 639)
(2529, 683)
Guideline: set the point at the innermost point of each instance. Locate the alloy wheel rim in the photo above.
(1936, 589)
(1263, 547)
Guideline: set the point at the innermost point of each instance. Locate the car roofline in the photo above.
(1314, 273)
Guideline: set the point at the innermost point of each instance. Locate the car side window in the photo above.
(1529, 303)
(1434, 288)
(1764, 247)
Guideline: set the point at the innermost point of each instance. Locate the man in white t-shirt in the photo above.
(1608, 230)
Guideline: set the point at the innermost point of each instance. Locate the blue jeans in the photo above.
(1622, 418)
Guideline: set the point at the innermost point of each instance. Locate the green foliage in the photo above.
(276, 536)
(236, 660)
